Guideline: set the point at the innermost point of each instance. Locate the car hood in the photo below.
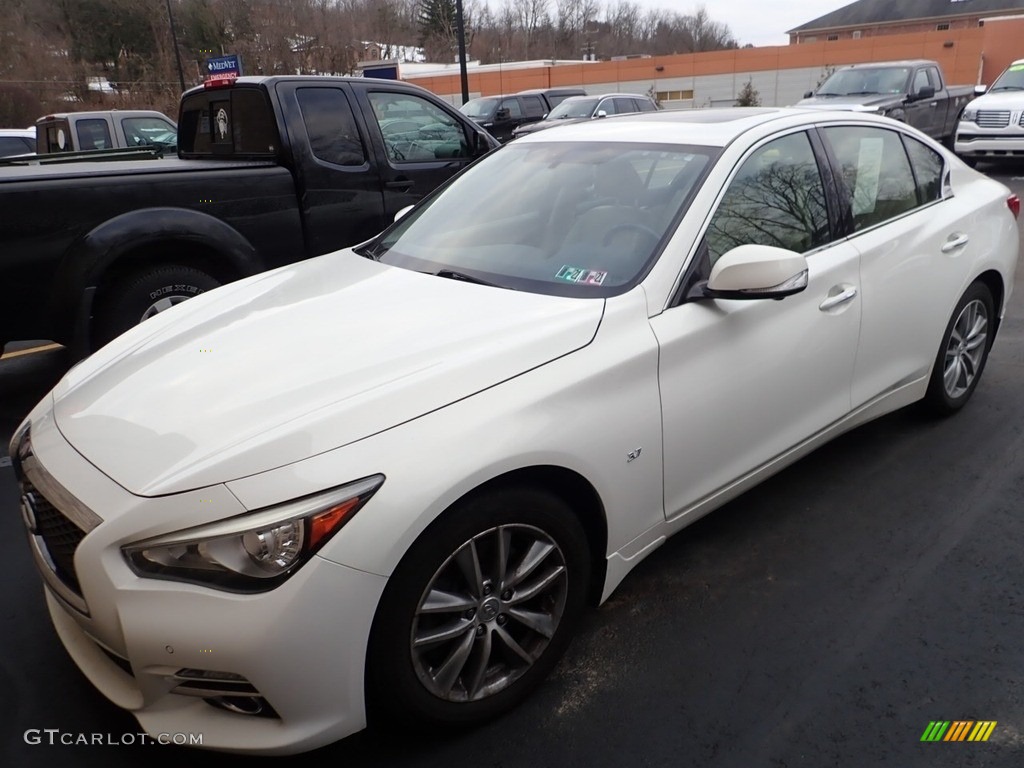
(543, 125)
(290, 363)
(1005, 100)
(850, 102)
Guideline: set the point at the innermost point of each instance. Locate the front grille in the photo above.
(60, 536)
(993, 118)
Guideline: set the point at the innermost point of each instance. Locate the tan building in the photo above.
(870, 18)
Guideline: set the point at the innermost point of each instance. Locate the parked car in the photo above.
(104, 129)
(271, 170)
(579, 108)
(502, 115)
(479, 421)
(913, 92)
(17, 141)
(990, 126)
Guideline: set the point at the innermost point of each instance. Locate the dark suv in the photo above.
(501, 115)
(578, 108)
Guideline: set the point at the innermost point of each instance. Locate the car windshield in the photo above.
(1011, 80)
(585, 219)
(865, 81)
(479, 107)
(573, 108)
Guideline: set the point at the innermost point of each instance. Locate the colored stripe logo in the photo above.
(958, 730)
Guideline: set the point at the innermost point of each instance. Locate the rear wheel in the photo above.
(963, 352)
(141, 295)
(479, 611)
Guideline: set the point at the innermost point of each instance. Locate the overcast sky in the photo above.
(761, 22)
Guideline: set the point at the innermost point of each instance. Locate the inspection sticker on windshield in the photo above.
(581, 275)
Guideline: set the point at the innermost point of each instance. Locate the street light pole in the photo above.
(174, 42)
(460, 27)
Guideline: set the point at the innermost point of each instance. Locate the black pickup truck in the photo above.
(269, 170)
(913, 92)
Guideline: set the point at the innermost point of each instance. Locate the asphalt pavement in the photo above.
(825, 618)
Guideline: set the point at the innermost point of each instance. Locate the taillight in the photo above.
(1013, 203)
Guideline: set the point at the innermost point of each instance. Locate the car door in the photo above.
(923, 114)
(419, 145)
(340, 193)
(907, 226)
(744, 381)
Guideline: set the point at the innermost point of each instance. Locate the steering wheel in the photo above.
(627, 225)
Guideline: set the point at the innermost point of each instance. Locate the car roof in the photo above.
(104, 113)
(884, 64)
(25, 133)
(716, 127)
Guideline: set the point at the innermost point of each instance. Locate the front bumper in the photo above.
(300, 648)
(977, 142)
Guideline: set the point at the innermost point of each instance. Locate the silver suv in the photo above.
(578, 108)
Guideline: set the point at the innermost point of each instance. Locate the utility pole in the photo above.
(460, 28)
(177, 53)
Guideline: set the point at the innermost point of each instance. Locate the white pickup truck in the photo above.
(990, 127)
(107, 129)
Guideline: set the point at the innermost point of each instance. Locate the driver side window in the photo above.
(777, 198)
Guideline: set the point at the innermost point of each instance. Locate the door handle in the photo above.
(403, 185)
(838, 299)
(955, 241)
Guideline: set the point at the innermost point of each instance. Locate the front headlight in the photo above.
(256, 551)
(969, 115)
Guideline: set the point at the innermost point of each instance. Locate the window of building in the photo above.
(674, 95)
(832, 37)
(856, 34)
(941, 27)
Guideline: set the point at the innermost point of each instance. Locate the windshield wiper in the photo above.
(862, 93)
(372, 251)
(828, 94)
(451, 274)
(1008, 88)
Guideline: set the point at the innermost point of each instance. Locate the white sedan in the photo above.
(381, 485)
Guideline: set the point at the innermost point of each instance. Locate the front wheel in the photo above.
(479, 610)
(963, 352)
(140, 295)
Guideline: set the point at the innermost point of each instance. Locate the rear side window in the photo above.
(534, 106)
(236, 121)
(646, 105)
(624, 106)
(331, 126)
(55, 137)
(93, 134)
(927, 165)
(15, 145)
(876, 173)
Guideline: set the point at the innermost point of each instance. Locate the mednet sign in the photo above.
(223, 67)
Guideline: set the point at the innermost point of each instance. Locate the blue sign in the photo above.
(224, 66)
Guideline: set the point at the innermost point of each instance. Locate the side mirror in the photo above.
(502, 114)
(808, 94)
(925, 92)
(979, 90)
(402, 212)
(600, 113)
(757, 272)
(480, 144)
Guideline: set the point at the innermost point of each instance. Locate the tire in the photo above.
(140, 295)
(963, 352)
(495, 626)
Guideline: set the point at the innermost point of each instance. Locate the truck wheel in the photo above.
(140, 295)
